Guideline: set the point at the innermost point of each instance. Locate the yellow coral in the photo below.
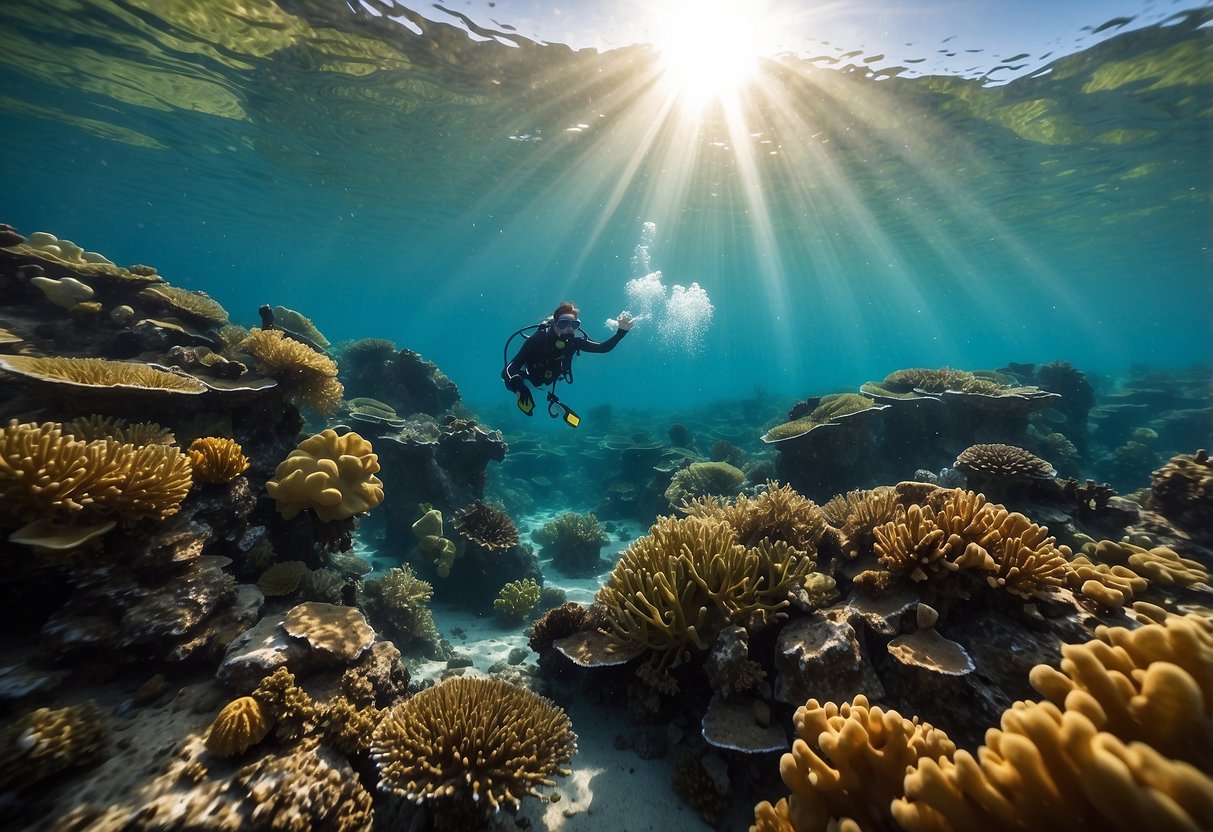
(674, 587)
(217, 459)
(97, 426)
(239, 726)
(330, 474)
(347, 726)
(44, 472)
(47, 741)
(282, 578)
(100, 373)
(701, 479)
(481, 744)
(428, 531)
(195, 304)
(309, 376)
(517, 598)
(288, 706)
(779, 513)
(847, 761)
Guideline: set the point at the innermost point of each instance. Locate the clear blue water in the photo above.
(849, 222)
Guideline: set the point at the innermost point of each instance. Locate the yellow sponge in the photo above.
(330, 474)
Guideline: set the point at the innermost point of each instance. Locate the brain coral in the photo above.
(330, 474)
(700, 479)
(474, 744)
(239, 726)
(217, 459)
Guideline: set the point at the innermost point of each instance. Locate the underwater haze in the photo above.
(443, 180)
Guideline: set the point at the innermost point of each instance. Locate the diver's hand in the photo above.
(626, 321)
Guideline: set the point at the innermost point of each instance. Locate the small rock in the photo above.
(151, 690)
(518, 655)
(554, 797)
(928, 616)
(458, 661)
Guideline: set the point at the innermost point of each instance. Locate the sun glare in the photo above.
(708, 47)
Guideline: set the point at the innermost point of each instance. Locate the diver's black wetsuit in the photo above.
(546, 357)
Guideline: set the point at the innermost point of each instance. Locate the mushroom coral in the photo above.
(239, 726)
(471, 745)
(330, 474)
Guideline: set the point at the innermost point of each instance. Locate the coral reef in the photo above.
(330, 474)
(1182, 491)
(471, 746)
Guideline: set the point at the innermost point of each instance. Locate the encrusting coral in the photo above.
(332, 475)
(241, 724)
(471, 745)
(217, 459)
(1182, 491)
(309, 376)
(517, 598)
(847, 761)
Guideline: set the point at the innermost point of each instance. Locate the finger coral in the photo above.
(332, 475)
(309, 376)
(239, 726)
(517, 599)
(217, 459)
(1123, 744)
(848, 761)
(287, 705)
(472, 745)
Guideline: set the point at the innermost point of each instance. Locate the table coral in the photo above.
(217, 459)
(100, 373)
(334, 633)
(848, 761)
(472, 745)
(334, 475)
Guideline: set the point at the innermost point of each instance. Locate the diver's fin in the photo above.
(570, 418)
(527, 406)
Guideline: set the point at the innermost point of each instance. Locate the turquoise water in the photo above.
(443, 190)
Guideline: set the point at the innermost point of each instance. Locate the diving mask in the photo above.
(566, 323)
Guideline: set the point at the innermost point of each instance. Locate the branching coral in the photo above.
(292, 711)
(778, 514)
(701, 479)
(965, 533)
(310, 376)
(676, 586)
(472, 745)
(330, 474)
(861, 512)
(848, 761)
(347, 726)
(47, 474)
(217, 459)
(241, 724)
(517, 598)
(487, 526)
(400, 601)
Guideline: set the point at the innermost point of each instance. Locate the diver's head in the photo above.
(566, 319)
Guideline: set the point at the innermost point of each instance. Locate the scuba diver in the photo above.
(546, 357)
